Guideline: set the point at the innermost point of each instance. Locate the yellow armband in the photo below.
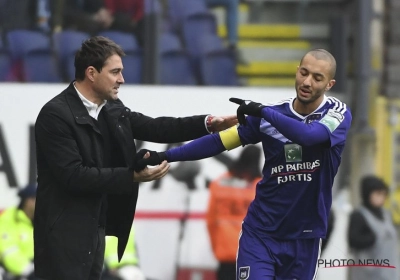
(230, 138)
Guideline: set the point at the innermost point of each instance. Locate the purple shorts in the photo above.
(269, 258)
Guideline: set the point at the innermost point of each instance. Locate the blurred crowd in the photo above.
(94, 17)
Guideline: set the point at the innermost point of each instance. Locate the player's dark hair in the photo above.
(94, 52)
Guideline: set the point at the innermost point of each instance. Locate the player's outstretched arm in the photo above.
(204, 147)
(298, 132)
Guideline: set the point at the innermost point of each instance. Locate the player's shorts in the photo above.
(268, 258)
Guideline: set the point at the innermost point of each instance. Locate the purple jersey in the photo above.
(294, 197)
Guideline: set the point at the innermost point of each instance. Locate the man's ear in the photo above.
(90, 73)
(330, 85)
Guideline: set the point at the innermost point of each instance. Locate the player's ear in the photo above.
(330, 84)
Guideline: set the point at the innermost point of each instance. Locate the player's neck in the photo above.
(304, 108)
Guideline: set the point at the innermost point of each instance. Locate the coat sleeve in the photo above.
(167, 129)
(59, 154)
(360, 235)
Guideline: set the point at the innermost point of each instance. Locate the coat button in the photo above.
(90, 252)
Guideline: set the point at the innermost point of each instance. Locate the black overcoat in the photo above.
(71, 180)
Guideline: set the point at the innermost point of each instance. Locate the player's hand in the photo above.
(247, 107)
(222, 123)
(146, 157)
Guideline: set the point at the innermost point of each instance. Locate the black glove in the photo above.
(247, 107)
(155, 158)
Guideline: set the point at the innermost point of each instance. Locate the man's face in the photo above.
(107, 82)
(377, 198)
(313, 78)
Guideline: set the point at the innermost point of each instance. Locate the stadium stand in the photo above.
(66, 43)
(5, 63)
(38, 60)
(174, 65)
(217, 63)
(273, 35)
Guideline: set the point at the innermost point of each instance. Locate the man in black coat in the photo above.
(87, 183)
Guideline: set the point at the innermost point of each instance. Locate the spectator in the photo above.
(230, 196)
(128, 267)
(24, 14)
(128, 16)
(371, 233)
(89, 16)
(16, 236)
(231, 19)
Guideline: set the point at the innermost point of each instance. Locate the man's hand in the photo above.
(146, 157)
(247, 107)
(222, 123)
(150, 174)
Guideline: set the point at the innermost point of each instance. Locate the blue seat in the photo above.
(217, 63)
(66, 43)
(5, 63)
(179, 10)
(193, 28)
(209, 43)
(34, 49)
(174, 65)
(133, 59)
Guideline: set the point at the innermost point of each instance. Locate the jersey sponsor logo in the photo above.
(293, 153)
(244, 272)
(295, 172)
(332, 119)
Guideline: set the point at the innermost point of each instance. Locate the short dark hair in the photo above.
(322, 54)
(94, 52)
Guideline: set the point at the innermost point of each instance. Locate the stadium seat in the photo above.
(217, 64)
(193, 28)
(66, 43)
(5, 63)
(34, 49)
(133, 59)
(174, 65)
(178, 10)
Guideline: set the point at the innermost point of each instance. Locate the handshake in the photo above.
(140, 161)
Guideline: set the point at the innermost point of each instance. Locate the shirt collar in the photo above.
(92, 108)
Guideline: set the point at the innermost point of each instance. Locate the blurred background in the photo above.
(187, 57)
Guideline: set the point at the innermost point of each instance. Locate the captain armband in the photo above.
(230, 138)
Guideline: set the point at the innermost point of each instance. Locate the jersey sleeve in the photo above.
(250, 133)
(332, 127)
(206, 146)
(337, 122)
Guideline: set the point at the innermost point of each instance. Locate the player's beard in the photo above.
(315, 95)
